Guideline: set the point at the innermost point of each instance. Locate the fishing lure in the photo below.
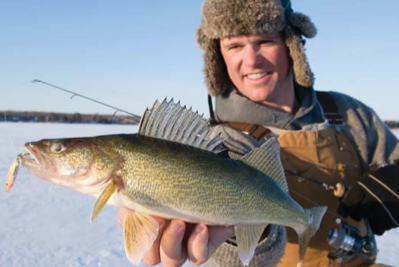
(13, 172)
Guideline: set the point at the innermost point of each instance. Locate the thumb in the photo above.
(218, 235)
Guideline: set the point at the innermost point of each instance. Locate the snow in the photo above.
(46, 225)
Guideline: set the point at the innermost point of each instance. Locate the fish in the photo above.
(171, 168)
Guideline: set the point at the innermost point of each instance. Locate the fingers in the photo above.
(172, 251)
(218, 235)
(197, 246)
(152, 256)
(204, 241)
(351, 201)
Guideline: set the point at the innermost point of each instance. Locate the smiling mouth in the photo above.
(257, 76)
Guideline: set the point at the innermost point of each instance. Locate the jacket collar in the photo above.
(234, 107)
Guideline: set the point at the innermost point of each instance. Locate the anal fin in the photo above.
(139, 232)
(247, 239)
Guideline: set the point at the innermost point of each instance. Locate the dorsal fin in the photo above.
(170, 121)
(266, 159)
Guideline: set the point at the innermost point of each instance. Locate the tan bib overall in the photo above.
(325, 156)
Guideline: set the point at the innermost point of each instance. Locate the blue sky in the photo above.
(130, 53)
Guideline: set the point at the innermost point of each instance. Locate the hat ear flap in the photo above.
(216, 76)
(201, 38)
(303, 75)
(302, 24)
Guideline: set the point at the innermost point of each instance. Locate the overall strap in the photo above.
(254, 130)
(329, 108)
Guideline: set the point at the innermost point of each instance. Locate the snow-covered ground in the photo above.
(46, 225)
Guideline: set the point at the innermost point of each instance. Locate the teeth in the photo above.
(29, 154)
(257, 75)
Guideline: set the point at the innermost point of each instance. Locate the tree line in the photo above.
(28, 116)
(392, 124)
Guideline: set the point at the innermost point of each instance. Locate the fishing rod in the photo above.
(88, 98)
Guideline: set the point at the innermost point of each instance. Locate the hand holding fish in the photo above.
(179, 242)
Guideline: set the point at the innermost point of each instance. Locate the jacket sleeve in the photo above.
(373, 140)
(375, 196)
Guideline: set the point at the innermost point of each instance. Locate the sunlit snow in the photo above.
(46, 225)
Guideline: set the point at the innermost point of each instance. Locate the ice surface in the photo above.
(45, 225)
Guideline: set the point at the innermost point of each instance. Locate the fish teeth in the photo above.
(30, 154)
(257, 76)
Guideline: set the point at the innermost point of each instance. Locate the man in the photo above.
(336, 153)
(334, 149)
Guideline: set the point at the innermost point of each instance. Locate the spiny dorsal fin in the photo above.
(170, 121)
(266, 159)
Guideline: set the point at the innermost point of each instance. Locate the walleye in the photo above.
(171, 169)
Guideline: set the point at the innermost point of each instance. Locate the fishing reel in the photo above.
(349, 242)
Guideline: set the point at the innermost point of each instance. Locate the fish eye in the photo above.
(57, 147)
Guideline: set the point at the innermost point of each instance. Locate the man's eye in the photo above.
(265, 42)
(233, 47)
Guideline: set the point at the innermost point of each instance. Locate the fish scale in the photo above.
(155, 173)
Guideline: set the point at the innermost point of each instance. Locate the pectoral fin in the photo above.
(102, 200)
(139, 232)
(247, 239)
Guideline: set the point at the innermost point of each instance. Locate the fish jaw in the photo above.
(41, 167)
(35, 162)
(75, 171)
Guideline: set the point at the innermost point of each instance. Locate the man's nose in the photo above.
(252, 57)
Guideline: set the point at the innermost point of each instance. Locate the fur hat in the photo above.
(226, 18)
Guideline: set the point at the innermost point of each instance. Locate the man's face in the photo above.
(259, 66)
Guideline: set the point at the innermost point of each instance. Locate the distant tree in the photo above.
(41, 118)
(392, 124)
(77, 117)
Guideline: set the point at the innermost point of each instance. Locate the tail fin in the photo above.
(315, 215)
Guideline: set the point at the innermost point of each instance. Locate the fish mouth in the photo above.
(39, 164)
(30, 158)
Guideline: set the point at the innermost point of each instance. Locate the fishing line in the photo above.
(92, 100)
